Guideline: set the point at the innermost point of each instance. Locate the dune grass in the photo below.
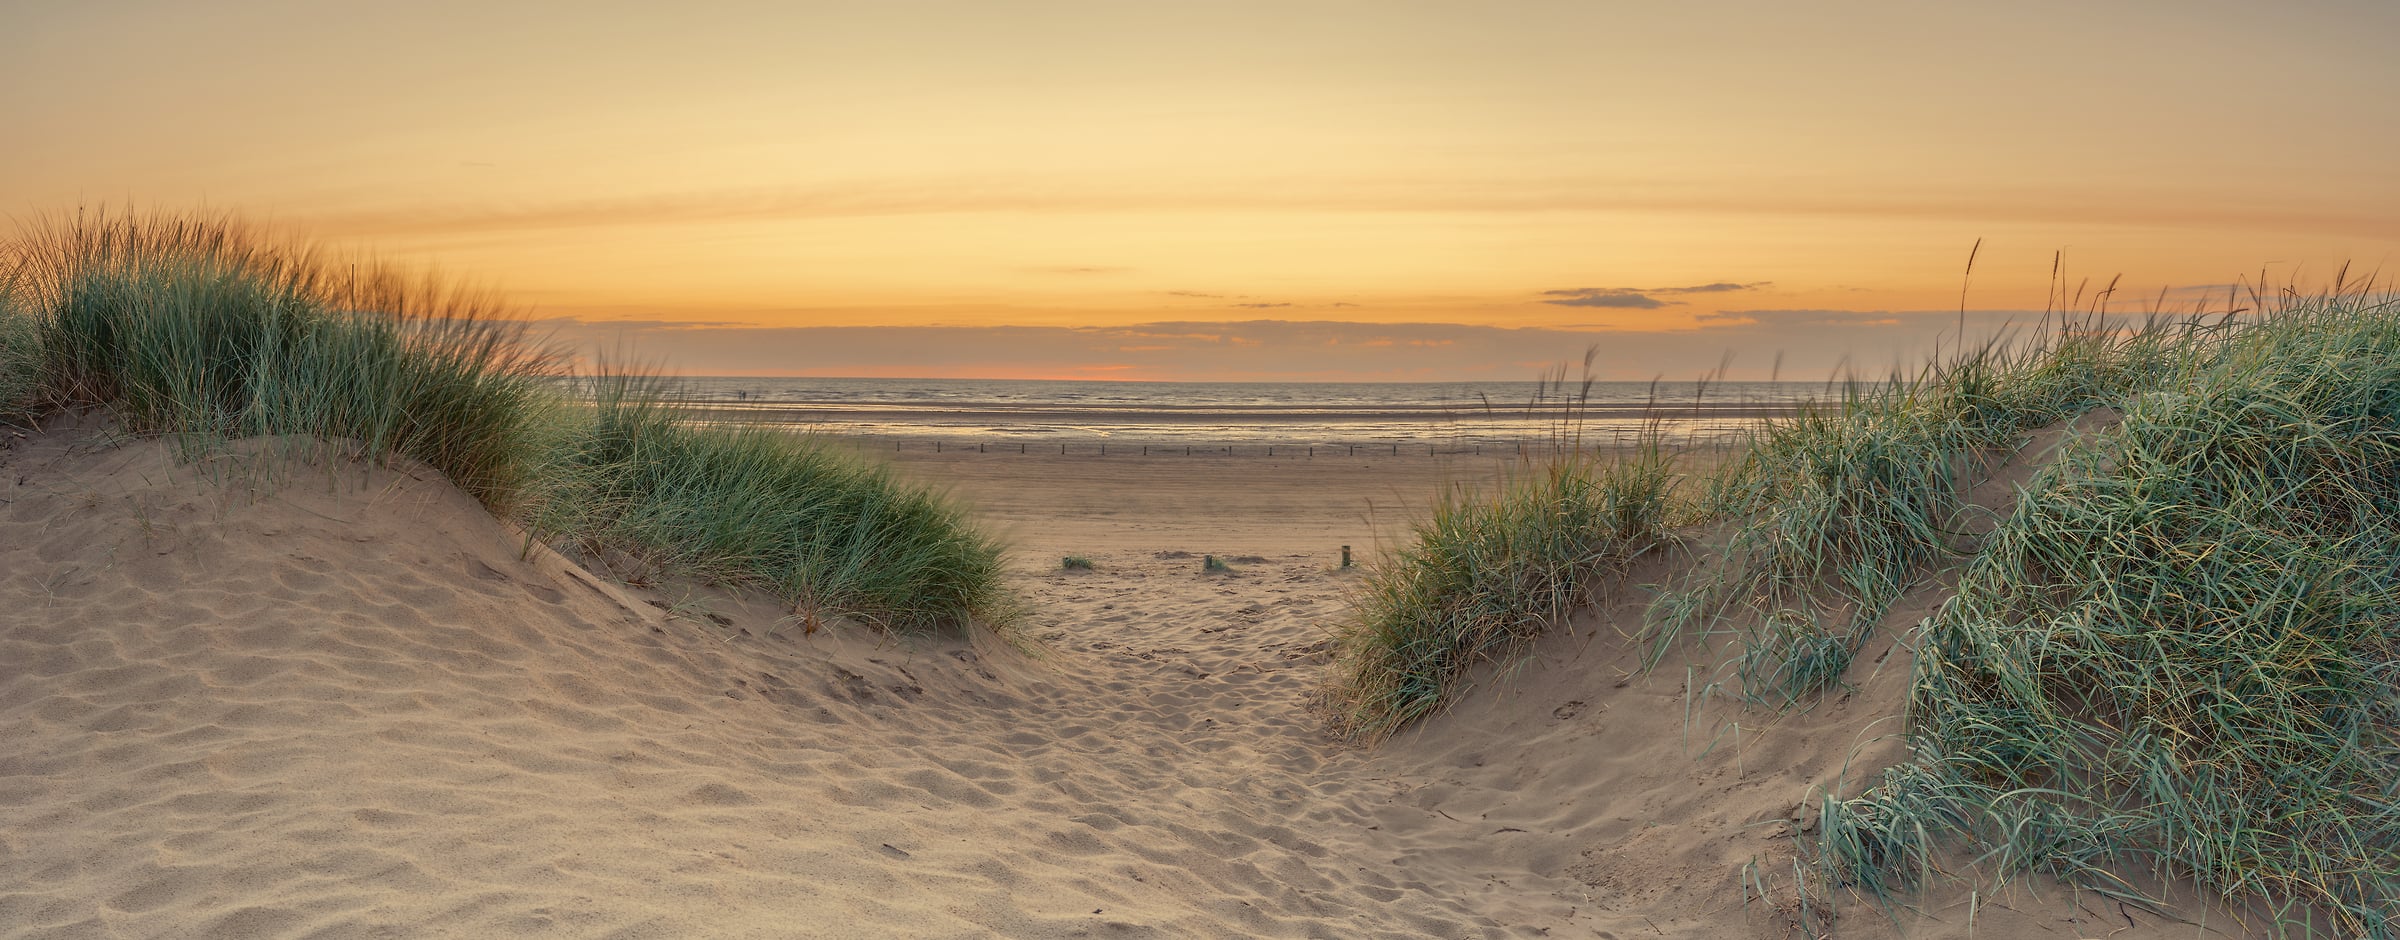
(2178, 649)
(2182, 650)
(1836, 512)
(1484, 575)
(748, 504)
(20, 356)
(201, 328)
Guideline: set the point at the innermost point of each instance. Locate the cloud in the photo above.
(1724, 319)
(648, 326)
(1072, 269)
(1803, 344)
(1248, 304)
(1617, 297)
(1716, 288)
(1638, 298)
(1008, 195)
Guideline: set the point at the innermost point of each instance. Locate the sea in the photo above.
(1406, 415)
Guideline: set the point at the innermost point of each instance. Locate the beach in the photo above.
(352, 703)
(1482, 418)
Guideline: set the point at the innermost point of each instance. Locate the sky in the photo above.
(1275, 191)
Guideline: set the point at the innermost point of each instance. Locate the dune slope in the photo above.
(352, 703)
(351, 706)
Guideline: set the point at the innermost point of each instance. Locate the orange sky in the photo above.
(1226, 190)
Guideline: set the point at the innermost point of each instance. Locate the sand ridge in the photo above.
(354, 704)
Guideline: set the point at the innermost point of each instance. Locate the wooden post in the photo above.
(1345, 556)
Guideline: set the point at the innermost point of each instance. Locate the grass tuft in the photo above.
(197, 326)
(757, 505)
(1842, 508)
(1484, 576)
(2175, 647)
(2182, 649)
(20, 354)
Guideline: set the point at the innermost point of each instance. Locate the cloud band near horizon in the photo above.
(1789, 344)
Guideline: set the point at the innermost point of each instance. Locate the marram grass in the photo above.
(1484, 575)
(196, 327)
(1837, 511)
(20, 356)
(2182, 650)
(199, 328)
(2177, 650)
(750, 504)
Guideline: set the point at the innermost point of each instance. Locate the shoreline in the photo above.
(1252, 428)
(1255, 413)
(913, 446)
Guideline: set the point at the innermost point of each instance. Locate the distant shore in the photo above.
(1267, 430)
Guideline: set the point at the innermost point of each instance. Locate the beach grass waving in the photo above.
(200, 327)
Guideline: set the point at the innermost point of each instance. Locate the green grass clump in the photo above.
(1482, 577)
(20, 356)
(2176, 647)
(1075, 563)
(196, 327)
(762, 506)
(1840, 509)
(2183, 647)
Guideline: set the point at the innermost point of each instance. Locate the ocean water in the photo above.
(1429, 414)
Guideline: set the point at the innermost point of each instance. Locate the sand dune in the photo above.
(353, 704)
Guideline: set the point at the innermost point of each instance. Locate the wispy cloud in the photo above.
(1239, 301)
(1813, 318)
(1617, 297)
(919, 196)
(1716, 288)
(1811, 344)
(1637, 298)
(1076, 269)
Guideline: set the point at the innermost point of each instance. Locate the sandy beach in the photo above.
(353, 704)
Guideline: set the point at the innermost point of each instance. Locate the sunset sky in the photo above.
(1285, 190)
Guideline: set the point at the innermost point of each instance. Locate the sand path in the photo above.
(355, 706)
